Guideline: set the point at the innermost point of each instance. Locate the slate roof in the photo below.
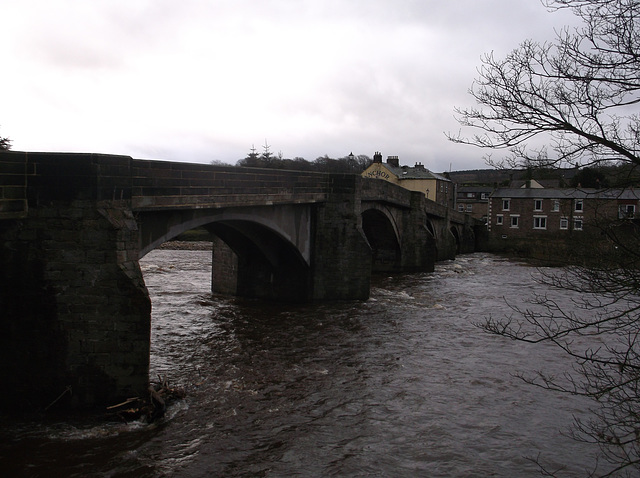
(475, 189)
(545, 183)
(566, 193)
(406, 172)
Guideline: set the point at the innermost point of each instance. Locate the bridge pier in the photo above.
(342, 256)
(75, 311)
(418, 250)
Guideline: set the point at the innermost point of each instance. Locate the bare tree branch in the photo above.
(574, 102)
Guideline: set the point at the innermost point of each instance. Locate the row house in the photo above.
(418, 178)
(474, 200)
(526, 212)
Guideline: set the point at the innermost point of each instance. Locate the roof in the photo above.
(566, 193)
(475, 189)
(542, 183)
(406, 172)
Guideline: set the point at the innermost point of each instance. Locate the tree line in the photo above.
(346, 164)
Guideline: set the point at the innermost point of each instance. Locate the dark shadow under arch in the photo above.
(383, 239)
(456, 237)
(257, 263)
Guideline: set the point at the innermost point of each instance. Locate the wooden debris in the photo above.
(151, 408)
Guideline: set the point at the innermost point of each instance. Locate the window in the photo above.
(505, 204)
(469, 207)
(537, 205)
(577, 224)
(564, 223)
(469, 195)
(483, 195)
(499, 220)
(539, 222)
(556, 205)
(626, 211)
(514, 221)
(460, 207)
(579, 205)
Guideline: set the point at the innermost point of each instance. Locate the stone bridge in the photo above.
(75, 311)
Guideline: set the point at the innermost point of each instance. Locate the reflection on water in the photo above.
(403, 384)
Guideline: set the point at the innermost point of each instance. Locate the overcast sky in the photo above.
(203, 80)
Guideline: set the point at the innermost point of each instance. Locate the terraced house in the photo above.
(517, 216)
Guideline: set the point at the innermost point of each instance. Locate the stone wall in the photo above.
(13, 186)
(164, 185)
(75, 312)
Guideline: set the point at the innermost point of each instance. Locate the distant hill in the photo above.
(502, 177)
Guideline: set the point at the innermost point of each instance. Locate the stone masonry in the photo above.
(74, 311)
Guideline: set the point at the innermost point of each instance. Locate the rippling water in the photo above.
(403, 384)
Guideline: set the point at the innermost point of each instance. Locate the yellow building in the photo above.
(418, 178)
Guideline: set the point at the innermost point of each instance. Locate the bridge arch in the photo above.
(261, 252)
(381, 230)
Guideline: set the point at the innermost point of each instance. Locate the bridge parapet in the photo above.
(165, 185)
(384, 191)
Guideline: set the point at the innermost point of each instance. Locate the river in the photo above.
(402, 385)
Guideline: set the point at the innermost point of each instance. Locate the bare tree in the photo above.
(577, 96)
(574, 102)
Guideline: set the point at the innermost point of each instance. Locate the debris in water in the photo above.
(151, 408)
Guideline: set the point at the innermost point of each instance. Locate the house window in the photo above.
(469, 207)
(483, 195)
(469, 195)
(460, 207)
(505, 204)
(499, 220)
(579, 205)
(514, 221)
(537, 205)
(539, 222)
(556, 205)
(577, 224)
(564, 223)
(626, 211)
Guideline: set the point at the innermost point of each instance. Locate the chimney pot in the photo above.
(393, 161)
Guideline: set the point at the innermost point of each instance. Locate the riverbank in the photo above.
(187, 245)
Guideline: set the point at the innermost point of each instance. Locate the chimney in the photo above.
(420, 166)
(393, 161)
(377, 157)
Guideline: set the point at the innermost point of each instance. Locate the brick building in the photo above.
(528, 213)
(474, 200)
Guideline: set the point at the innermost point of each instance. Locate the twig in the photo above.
(68, 389)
